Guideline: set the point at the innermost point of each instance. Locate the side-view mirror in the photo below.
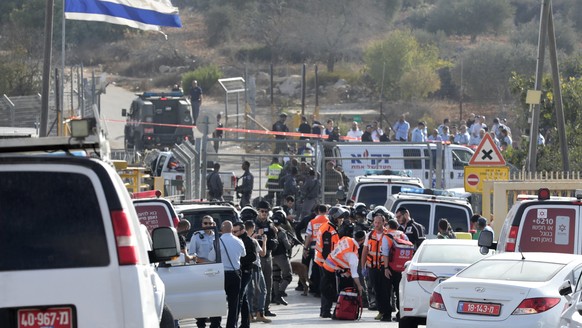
(124, 112)
(565, 288)
(166, 245)
(485, 239)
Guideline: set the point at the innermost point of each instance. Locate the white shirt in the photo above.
(353, 261)
(354, 134)
(231, 250)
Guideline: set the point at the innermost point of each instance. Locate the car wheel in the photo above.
(407, 322)
(167, 318)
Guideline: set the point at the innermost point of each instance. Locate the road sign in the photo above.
(473, 179)
(475, 175)
(487, 153)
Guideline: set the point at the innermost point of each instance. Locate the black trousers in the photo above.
(232, 283)
(328, 291)
(244, 308)
(394, 281)
(382, 289)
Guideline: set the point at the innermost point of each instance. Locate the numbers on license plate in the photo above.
(479, 308)
(53, 317)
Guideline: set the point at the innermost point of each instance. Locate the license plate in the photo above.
(479, 308)
(57, 317)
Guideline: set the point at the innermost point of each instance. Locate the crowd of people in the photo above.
(468, 132)
(343, 246)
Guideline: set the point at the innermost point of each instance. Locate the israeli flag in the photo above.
(141, 14)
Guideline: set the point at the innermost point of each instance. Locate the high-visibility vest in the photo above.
(375, 259)
(326, 227)
(273, 171)
(315, 225)
(337, 258)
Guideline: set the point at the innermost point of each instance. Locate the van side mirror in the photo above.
(485, 242)
(565, 288)
(124, 112)
(166, 245)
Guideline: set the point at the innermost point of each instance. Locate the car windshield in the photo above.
(461, 253)
(512, 270)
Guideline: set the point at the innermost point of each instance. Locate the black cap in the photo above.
(282, 115)
(360, 235)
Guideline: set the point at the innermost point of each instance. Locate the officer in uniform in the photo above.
(273, 173)
(246, 188)
(202, 242)
(202, 249)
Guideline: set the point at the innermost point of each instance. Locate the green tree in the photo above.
(207, 77)
(469, 17)
(410, 69)
(566, 39)
(486, 69)
(572, 102)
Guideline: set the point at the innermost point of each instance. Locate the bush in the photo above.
(207, 77)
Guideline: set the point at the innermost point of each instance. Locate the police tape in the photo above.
(264, 132)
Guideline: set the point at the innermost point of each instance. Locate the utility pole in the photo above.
(547, 27)
(46, 69)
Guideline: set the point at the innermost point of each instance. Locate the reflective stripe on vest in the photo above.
(274, 171)
(337, 258)
(375, 259)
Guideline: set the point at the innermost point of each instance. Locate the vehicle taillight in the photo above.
(176, 221)
(536, 305)
(233, 181)
(436, 302)
(125, 240)
(415, 275)
(148, 130)
(511, 239)
(354, 198)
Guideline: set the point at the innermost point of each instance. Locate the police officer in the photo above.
(264, 226)
(273, 174)
(280, 126)
(246, 187)
(280, 258)
(202, 248)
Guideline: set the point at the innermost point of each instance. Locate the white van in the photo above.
(73, 251)
(359, 158)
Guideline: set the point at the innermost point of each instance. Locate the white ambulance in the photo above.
(448, 159)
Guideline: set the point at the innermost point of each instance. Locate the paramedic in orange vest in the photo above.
(327, 239)
(394, 277)
(373, 261)
(311, 234)
(343, 261)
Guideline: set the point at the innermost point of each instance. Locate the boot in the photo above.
(254, 316)
(261, 318)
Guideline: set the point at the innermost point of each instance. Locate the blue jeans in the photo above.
(257, 291)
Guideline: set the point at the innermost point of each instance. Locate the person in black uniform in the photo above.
(413, 230)
(280, 126)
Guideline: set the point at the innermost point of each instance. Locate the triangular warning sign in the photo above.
(487, 153)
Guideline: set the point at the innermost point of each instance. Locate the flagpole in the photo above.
(61, 110)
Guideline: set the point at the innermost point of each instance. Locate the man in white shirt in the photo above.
(376, 131)
(231, 250)
(355, 134)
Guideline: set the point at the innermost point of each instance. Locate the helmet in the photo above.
(248, 213)
(337, 212)
(382, 211)
(279, 217)
(360, 209)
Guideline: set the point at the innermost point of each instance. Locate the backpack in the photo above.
(401, 252)
(349, 305)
